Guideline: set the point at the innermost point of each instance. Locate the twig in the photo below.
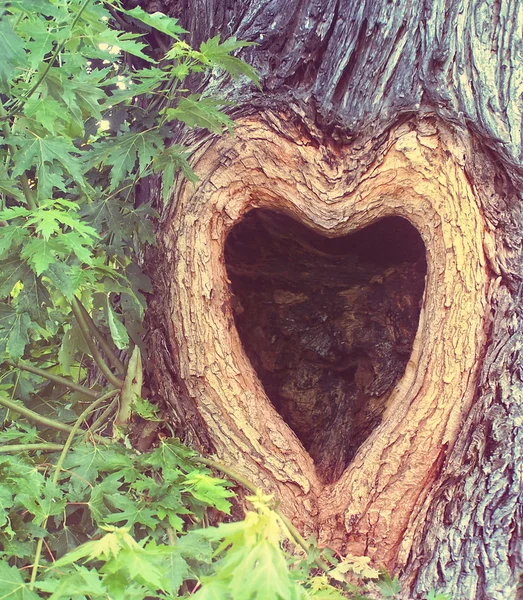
(102, 340)
(34, 416)
(56, 378)
(98, 359)
(101, 419)
(30, 447)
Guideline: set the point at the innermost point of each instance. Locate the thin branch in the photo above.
(30, 447)
(56, 378)
(102, 418)
(34, 416)
(102, 340)
(76, 427)
(98, 358)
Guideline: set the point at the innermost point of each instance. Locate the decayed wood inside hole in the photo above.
(328, 324)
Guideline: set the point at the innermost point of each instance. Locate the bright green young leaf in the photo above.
(82, 582)
(157, 21)
(210, 490)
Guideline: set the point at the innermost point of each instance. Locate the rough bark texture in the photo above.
(371, 109)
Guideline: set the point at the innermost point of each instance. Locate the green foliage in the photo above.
(76, 142)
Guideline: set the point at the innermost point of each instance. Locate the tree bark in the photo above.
(370, 111)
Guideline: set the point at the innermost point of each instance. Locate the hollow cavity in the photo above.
(328, 324)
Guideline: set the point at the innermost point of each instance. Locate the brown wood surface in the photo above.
(368, 109)
(372, 508)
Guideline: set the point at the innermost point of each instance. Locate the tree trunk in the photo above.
(337, 300)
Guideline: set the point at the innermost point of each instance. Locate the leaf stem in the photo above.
(56, 378)
(102, 418)
(34, 416)
(97, 356)
(30, 447)
(102, 340)
(58, 469)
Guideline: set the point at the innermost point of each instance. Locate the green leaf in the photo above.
(14, 328)
(157, 21)
(219, 54)
(12, 270)
(9, 187)
(12, 586)
(433, 595)
(168, 163)
(201, 112)
(47, 154)
(34, 297)
(82, 582)
(118, 331)
(123, 153)
(18, 337)
(13, 55)
(11, 235)
(213, 589)
(41, 252)
(210, 490)
(388, 587)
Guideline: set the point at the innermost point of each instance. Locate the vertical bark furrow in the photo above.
(459, 58)
(479, 495)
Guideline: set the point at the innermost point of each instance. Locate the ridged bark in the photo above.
(369, 109)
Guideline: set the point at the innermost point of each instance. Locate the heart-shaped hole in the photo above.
(328, 324)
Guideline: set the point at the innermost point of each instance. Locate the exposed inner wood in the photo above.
(328, 324)
(418, 175)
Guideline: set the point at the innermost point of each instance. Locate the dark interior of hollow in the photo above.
(328, 324)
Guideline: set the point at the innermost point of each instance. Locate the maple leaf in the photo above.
(45, 153)
(219, 54)
(12, 586)
(123, 152)
(158, 21)
(13, 55)
(201, 112)
(14, 335)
